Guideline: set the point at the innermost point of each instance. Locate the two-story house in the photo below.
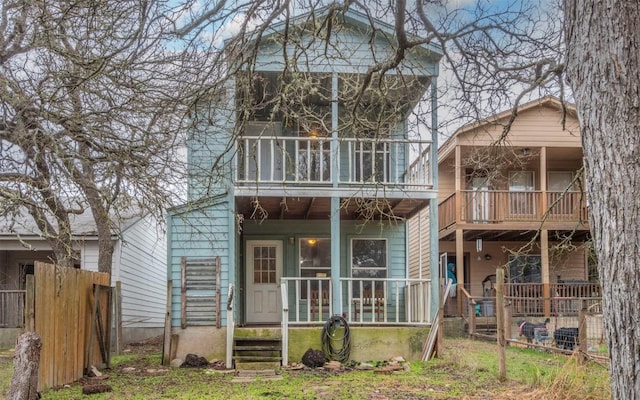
(516, 200)
(308, 181)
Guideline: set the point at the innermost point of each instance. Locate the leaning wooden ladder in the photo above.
(429, 345)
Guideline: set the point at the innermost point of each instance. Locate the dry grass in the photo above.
(467, 370)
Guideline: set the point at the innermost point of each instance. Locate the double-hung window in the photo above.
(369, 262)
(315, 262)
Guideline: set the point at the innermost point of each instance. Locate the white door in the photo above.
(264, 269)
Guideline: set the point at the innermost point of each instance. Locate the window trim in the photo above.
(386, 255)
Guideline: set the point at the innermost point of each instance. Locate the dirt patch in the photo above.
(147, 346)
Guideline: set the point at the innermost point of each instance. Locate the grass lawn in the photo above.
(467, 369)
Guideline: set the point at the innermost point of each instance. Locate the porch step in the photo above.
(257, 353)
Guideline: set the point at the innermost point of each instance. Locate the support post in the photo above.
(30, 305)
(166, 343)
(582, 332)
(118, 316)
(546, 291)
(502, 366)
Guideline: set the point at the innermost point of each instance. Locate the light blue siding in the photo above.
(350, 50)
(200, 233)
(279, 229)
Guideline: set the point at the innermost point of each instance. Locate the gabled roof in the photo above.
(354, 18)
(547, 101)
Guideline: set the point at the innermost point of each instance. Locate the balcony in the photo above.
(311, 166)
(511, 208)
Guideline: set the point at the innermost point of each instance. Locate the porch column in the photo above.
(458, 185)
(543, 180)
(544, 255)
(335, 201)
(434, 261)
(335, 256)
(459, 265)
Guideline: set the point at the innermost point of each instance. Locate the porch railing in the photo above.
(309, 161)
(530, 299)
(363, 300)
(12, 308)
(497, 206)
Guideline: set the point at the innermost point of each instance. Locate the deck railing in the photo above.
(12, 308)
(363, 301)
(530, 299)
(310, 161)
(498, 206)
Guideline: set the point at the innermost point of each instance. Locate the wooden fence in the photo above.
(73, 326)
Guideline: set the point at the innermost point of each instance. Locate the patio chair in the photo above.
(372, 303)
(319, 303)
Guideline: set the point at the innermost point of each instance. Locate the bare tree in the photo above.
(95, 97)
(603, 69)
(496, 56)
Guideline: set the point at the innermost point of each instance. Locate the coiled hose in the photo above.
(331, 327)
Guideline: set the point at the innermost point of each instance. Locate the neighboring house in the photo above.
(139, 264)
(517, 202)
(311, 222)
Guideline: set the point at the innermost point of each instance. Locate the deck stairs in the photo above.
(256, 352)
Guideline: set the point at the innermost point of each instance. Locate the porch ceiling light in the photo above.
(312, 242)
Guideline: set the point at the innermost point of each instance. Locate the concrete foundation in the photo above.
(367, 343)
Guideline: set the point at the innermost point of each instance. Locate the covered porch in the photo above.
(309, 301)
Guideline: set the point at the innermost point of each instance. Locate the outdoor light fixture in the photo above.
(292, 240)
(312, 242)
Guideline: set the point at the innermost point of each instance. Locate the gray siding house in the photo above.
(139, 262)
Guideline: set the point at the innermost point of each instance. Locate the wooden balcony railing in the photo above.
(312, 160)
(498, 206)
(528, 300)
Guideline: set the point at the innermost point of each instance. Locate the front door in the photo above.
(264, 269)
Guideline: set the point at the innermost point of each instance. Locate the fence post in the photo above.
(117, 306)
(472, 317)
(30, 305)
(500, 323)
(582, 332)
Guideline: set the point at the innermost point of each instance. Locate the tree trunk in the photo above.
(603, 67)
(24, 384)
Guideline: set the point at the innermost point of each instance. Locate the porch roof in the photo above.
(315, 208)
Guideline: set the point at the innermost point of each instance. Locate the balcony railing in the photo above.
(498, 206)
(12, 308)
(364, 301)
(309, 161)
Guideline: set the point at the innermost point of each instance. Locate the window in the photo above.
(522, 197)
(264, 264)
(315, 261)
(368, 261)
(525, 269)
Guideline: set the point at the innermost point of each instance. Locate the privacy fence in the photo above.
(70, 310)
